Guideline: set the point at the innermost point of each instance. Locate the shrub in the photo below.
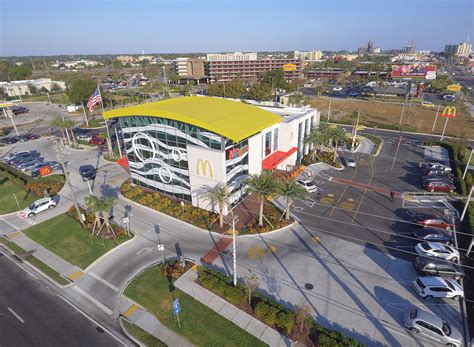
(261, 310)
(235, 295)
(285, 321)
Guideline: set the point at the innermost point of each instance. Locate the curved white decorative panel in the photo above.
(177, 155)
(135, 146)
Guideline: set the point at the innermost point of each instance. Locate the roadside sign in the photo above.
(454, 87)
(125, 220)
(45, 170)
(176, 307)
(289, 67)
(449, 112)
(161, 247)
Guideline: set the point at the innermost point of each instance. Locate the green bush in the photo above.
(285, 321)
(234, 295)
(261, 310)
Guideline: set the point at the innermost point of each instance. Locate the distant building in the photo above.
(20, 88)
(237, 56)
(308, 56)
(409, 49)
(460, 50)
(75, 64)
(326, 74)
(227, 70)
(189, 66)
(368, 50)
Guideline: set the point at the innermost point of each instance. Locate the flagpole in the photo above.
(109, 142)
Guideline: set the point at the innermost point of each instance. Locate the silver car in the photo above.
(432, 327)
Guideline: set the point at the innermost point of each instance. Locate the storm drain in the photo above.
(308, 286)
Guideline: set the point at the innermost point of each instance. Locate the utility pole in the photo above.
(59, 149)
(396, 153)
(407, 93)
(49, 98)
(234, 249)
(467, 164)
(436, 118)
(329, 109)
(109, 142)
(355, 131)
(8, 114)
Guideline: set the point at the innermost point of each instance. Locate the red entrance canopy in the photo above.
(272, 161)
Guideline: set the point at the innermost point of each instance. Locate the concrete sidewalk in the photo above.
(253, 326)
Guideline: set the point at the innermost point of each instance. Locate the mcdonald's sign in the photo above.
(203, 166)
(449, 112)
(454, 87)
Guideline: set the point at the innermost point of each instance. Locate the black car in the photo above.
(22, 156)
(437, 267)
(9, 140)
(22, 138)
(433, 235)
(19, 110)
(87, 172)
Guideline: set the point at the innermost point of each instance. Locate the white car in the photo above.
(337, 89)
(351, 162)
(86, 138)
(437, 249)
(430, 287)
(308, 186)
(39, 205)
(438, 166)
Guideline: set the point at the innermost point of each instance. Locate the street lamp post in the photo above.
(234, 249)
(467, 164)
(436, 118)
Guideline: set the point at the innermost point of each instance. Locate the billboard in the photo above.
(414, 71)
(289, 67)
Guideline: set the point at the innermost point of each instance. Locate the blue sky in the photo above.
(50, 27)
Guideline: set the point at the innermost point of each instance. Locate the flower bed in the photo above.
(89, 223)
(193, 215)
(297, 326)
(324, 157)
(273, 215)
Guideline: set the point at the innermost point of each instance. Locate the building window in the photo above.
(268, 143)
(275, 139)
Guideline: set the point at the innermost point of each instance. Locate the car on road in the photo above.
(309, 186)
(86, 138)
(87, 172)
(438, 267)
(429, 287)
(437, 249)
(439, 186)
(433, 235)
(430, 326)
(95, 140)
(431, 220)
(337, 89)
(39, 206)
(427, 104)
(350, 162)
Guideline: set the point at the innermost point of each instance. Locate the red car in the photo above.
(439, 186)
(433, 221)
(97, 141)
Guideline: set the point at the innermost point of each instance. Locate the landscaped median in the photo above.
(65, 236)
(154, 290)
(377, 141)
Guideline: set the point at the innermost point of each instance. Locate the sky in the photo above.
(73, 27)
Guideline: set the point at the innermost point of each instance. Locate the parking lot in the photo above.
(355, 205)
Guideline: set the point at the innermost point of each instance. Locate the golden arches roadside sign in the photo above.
(203, 166)
(449, 112)
(289, 67)
(454, 87)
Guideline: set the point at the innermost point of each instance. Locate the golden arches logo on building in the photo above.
(454, 87)
(449, 111)
(289, 67)
(203, 165)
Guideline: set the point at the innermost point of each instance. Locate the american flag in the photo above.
(94, 99)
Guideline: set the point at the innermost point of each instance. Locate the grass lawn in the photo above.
(35, 262)
(65, 237)
(416, 117)
(199, 324)
(142, 336)
(7, 200)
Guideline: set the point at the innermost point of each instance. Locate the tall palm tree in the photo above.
(290, 190)
(58, 123)
(317, 138)
(219, 195)
(100, 207)
(69, 124)
(263, 185)
(334, 136)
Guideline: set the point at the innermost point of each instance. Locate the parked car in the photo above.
(427, 104)
(9, 140)
(27, 161)
(19, 110)
(439, 186)
(437, 166)
(308, 186)
(22, 138)
(434, 171)
(433, 235)
(39, 206)
(431, 220)
(86, 138)
(432, 178)
(429, 287)
(350, 162)
(337, 89)
(438, 267)
(32, 136)
(12, 155)
(21, 155)
(28, 166)
(87, 172)
(437, 249)
(428, 325)
(95, 140)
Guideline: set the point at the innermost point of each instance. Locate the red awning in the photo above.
(272, 161)
(123, 162)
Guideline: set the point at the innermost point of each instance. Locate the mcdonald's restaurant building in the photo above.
(182, 146)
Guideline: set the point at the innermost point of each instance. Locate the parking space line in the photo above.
(365, 190)
(343, 192)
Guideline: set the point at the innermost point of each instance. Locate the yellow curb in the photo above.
(75, 275)
(194, 268)
(15, 234)
(231, 232)
(316, 239)
(130, 310)
(255, 252)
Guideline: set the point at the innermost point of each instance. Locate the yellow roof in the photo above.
(232, 119)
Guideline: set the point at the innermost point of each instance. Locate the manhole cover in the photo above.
(308, 286)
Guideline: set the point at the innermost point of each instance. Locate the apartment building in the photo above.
(237, 56)
(310, 55)
(461, 50)
(189, 66)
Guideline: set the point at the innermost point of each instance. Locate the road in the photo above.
(462, 77)
(32, 315)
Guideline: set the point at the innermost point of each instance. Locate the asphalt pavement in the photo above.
(32, 315)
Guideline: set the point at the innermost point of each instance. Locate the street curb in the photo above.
(129, 335)
(380, 148)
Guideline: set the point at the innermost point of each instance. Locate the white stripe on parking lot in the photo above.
(17, 316)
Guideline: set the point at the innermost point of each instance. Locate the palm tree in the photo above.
(317, 138)
(219, 195)
(334, 136)
(100, 207)
(58, 123)
(290, 190)
(263, 185)
(69, 124)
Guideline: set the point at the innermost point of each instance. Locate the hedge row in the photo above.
(269, 311)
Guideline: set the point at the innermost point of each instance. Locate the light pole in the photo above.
(467, 204)
(444, 129)
(436, 118)
(8, 114)
(467, 164)
(234, 249)
(355, 131)
(396, 153)
(329, 109)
